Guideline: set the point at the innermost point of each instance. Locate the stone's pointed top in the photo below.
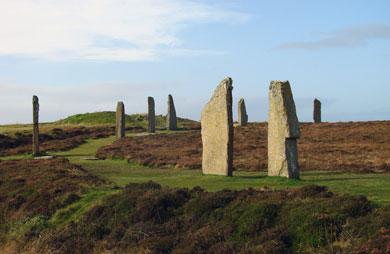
(227, 81)
(316, 100)
(241, 100)
(35, 98)
(120, 103)
(283, 108)
(275, 82)
(224, 85)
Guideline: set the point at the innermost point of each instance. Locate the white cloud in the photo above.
(350, 37)
(119, 30)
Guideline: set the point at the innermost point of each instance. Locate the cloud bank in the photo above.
(355, 36)
(113, 30)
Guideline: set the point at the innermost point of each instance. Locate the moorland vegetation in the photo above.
(70, 205)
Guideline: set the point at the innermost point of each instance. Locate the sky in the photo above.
(83, 56)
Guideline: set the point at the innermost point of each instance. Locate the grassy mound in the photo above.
(53, 206)
(31, 191)
(146, 218)
(108, 118)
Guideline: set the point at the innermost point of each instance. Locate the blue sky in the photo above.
(86, 55)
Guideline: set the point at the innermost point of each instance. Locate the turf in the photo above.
(373, 185)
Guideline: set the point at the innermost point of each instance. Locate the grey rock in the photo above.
(120, 120)
(171, 116)
(217, 131)
(283, 130)
(35, 102)
(242, 116)
(317, 111)
(90, 159)
(151, 115)
(45, 157)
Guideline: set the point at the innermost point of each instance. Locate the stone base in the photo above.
(292, 158)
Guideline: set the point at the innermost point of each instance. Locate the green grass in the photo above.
(373, 185)
(74, 211)
(86, 150)
(104, 118)
(17, 157)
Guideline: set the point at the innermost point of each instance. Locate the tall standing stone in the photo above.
(242, 116)
(317, 111)
(35, 125)
(217, 131)
(283, 131)
(171, 116)
(120, 120)
(151, 115)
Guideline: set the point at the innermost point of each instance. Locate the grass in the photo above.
(373, 185)
(103, 118)
(74, 211)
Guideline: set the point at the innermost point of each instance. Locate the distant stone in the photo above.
(217, 131)
(317, 111)
(35, 125)
(45, 157)
(120, 120)
(90, 159)
(283, 130)
(242, 116)
(171, 116)
(151, 115)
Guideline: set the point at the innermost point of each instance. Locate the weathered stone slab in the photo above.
(242, 116)
(283, 130)
(120, 120)
(317, 111)
(171, 116)
(47, 157)
(35, 102)
(151, 115)
(217, 131)
(90, 159)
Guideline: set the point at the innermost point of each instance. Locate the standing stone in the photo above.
(217, 131)
(35, 125)
(242, 116)
(171, 116)
(283, 130)
(120, 120)
(151, 115)
(317, 111)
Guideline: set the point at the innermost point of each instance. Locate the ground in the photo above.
(73, 205)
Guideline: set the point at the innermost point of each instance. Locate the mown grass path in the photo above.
(376, 186)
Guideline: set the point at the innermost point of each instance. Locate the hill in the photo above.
(108, 118)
